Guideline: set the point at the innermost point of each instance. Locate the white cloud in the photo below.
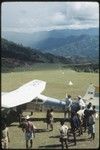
(59, 18)
(36, 16)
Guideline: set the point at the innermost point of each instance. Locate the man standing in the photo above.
(74, 123)
(29, 130)
(81, 102)
(68, 106)
(5, 136)
(63, 134)
(91, 127)
(51, 119)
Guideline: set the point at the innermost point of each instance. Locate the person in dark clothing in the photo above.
(94, 109)
(87, 113)
(91, 127)
(48, 118)
(51, 119)
(74, 125)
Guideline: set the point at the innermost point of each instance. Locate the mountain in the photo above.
(16, 55)
(83, 46)
(66, 42)
(32, 39)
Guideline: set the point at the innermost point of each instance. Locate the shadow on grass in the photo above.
(57, 136)
(78, 140)
(41, 130)
(50, 146)
(54, 146)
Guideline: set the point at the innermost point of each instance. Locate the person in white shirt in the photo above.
(81, 102)
(4, 136)
(63, 134)
(68, 106)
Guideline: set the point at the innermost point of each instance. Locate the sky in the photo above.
(43, 16)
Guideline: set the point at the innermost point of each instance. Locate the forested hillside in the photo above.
(15, 55)
(67, 42)
(81, 45)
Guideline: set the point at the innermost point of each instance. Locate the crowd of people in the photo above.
(82, 119)
(79, 123)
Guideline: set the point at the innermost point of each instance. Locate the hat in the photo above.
(79, 96)
(27, 117)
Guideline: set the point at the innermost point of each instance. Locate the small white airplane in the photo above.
(22, 95)
(30, 94)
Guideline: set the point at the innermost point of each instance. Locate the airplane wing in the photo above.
(22, 95)
(3, 93)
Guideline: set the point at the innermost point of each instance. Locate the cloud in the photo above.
(39, 16)
(59, 18)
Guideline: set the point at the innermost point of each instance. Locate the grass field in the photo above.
(50, 140)
(57, 79)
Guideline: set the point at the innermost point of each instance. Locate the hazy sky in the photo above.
(41, 16)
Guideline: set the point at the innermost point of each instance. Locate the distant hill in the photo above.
(66, 42)
(16, 55)
(82, 46)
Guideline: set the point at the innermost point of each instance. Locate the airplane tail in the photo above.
(90, 92)
(92, 95)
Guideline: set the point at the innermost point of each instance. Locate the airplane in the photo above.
(29, 96)
(14, 102)
(92, 95)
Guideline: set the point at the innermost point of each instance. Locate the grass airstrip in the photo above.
(57, 78)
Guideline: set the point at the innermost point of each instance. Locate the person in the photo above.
(86, 115)
(75, 124)
(5, 136)
(68, 106)
(94, 109)
(81, 102)
(29, 130)
(91, 127)
(51, 119)
(20, 119)
(48, 118)
(90, 107)
(31, 113)
(63, 135)
(80, 124)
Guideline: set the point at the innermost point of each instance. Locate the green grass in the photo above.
(49, 140)
(57, 79)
